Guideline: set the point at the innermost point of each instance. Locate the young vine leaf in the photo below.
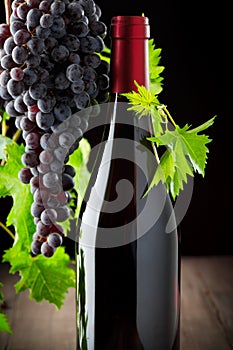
(156, 81)
(186, 153)
(186, 150)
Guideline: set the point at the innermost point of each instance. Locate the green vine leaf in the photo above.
(10, 185)
(186, 153)
(4, 324)
(154, 68)
(3, 142)
(47, 279)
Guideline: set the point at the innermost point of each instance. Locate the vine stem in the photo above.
(7, 4)
(7, 230)
(169, 116)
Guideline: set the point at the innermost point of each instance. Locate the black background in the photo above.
(195, 38)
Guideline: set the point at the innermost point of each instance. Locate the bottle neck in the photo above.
(129, 63)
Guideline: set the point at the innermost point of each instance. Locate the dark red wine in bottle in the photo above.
(128, 260)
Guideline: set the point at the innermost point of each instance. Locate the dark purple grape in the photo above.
(22, 11)
(26, 124)
(36, 247)
(74, 72)
(60, 53)
(62, 213)
(46, 20)
(62, 111)
(35, 45)
(80, 29)
(44, 120)
(42, 229)
(70, 170)
(4, 78)
(47, 250)
(25, 175)
(46, 103)
(92, 60)
(15, 88)
(75, 11)
(36, 210)
(27, 99)
(10, 109)
(21, 37)
(61, 82)
(46, 157)
(34, 184)
(16, 25)
(30, 159)
(30, 76)
(50, 179)
(19, 105)
(82, 100)
(57, 8)
(32, 140)
(71, 42)
(33, 61)
(7, 62)
(33, 18)
(38, 91)
(48, 216)
(9, 45)
(67, 182)
(98, 28)
(17, 73)
(54, 240)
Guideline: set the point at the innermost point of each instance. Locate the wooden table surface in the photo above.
(206, 310)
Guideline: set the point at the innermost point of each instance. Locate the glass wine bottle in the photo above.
(128, 260)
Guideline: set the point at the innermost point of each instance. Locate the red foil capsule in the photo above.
(129, 35)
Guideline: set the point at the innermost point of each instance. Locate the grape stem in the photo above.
(7, 230)
(7, 4)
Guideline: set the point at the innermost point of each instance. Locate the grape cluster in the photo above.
(50, 70)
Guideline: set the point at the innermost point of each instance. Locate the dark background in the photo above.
(195, 38)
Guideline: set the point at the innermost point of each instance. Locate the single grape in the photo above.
(36, 247)
(21, 37)
(54, 240)
(67, 182)
(46, 157)
(66, 139)
(50, 179)
(38, 91)
(48, 216)
(9, 45)
(74, 72)
(46, 20)
(36, 210)
(62, 213)
(47, 250)
(25, 175)
(19, 105)
(60, 53)
(30, 159)
(70, 170)
(4, 78)
(42, 229)
(62, 112)
(32, 140)
(44, 120)
(15, 88)
(82, 100)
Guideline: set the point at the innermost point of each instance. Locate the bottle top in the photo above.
(130, 27)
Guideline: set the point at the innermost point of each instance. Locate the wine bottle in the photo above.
(128, 262)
